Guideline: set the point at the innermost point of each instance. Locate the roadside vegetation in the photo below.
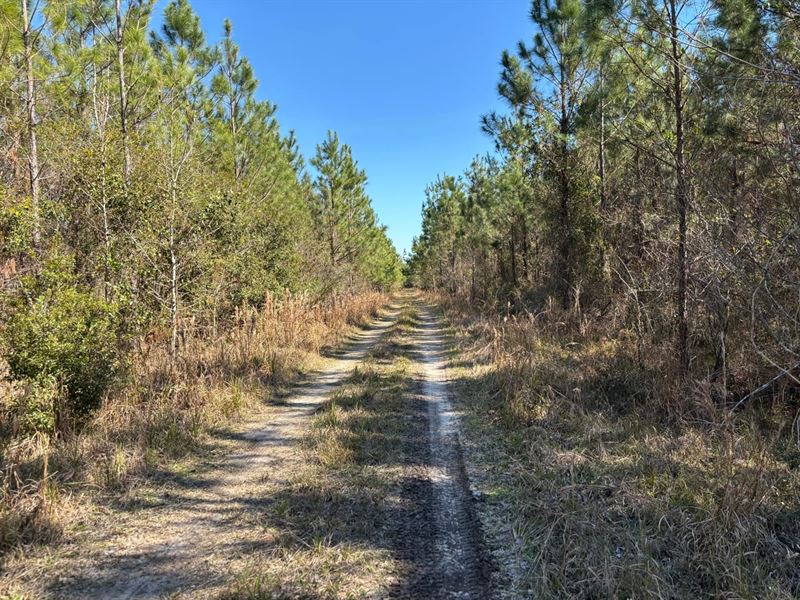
(623, 276)
(167, 259)
(590, 488)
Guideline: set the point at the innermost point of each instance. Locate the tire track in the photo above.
(456, 565)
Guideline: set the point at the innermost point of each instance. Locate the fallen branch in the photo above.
(764, 387)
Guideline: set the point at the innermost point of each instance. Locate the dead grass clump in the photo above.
(28, 497)
(612, 494)
(317, 571)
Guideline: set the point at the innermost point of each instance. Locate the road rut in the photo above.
(457, 566)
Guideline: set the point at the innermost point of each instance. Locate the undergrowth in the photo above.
(610, 492)
(160, 412)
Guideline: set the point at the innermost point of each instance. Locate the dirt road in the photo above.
(197, 531)
(457, 567)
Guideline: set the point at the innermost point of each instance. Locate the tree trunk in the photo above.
(173, 306)
(233, 110)
(501, 266)
(513, 252)
(332, 228)
(30, 105)
(525, 258)
(174, 281)
(681, 196)
(472, 281)
(106, 229)
(638, 209)
(602, 150)
(601, 172)
(123, 95)
(563, 215)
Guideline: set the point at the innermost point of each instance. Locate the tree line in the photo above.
(645, 175)
(145, 190)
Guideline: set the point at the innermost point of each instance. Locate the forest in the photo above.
(646, 178)
(627, 262)
(609, 302)
(151, 208)
(146, 192)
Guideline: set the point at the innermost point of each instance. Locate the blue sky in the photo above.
(403, 82)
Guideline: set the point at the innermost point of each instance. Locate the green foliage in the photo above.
(642, 171)
(66, 335)
(381, 266)
(34, 409)
(345, 219)
(171, 199)
(16, 225)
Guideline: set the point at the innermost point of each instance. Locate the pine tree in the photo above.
(235, 85)
(560, 60)
(185, 61)
(341, 204)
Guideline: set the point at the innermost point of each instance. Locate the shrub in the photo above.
(33, 408)
(70, 335)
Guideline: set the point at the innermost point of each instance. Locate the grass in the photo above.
(595, 490)
(157, 418)
(332, 520)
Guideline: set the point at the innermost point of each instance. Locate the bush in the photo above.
(33, 409)
(70, 335)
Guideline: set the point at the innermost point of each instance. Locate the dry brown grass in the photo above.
(329, 520)
(159, 414)
(609, 491)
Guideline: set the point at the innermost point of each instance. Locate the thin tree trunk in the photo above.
(332, 229)
(232, 109)
(123, 94)
(174, 271)
(472, 281)
(106, 230)
(513, 251)
(681, 196)
(602, 150)
(525, 258)
(173, 308)
(30, 105)
(100, 124)
(566, 274)
(638, 209)
(601, 171)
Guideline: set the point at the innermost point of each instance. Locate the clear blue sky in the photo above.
(403, 82)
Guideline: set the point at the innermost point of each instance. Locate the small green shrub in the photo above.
(34, 410)
(69, 335)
